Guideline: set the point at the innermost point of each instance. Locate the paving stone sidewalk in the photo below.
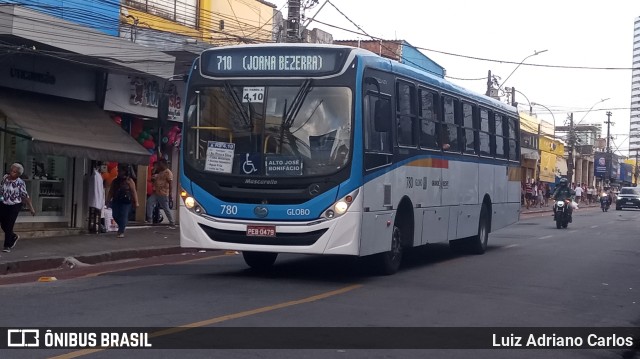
(33, 254)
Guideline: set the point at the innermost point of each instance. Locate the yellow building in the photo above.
(219, 22)
(543, 155)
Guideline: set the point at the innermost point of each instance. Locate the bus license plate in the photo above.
(261, 231)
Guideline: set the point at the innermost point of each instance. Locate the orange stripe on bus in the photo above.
(430, 162)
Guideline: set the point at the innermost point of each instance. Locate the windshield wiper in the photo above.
(289, 116)
(297, 102)
(248, 121)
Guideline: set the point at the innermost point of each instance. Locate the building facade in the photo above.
(634, 128)
(81, 84)
(398, 50)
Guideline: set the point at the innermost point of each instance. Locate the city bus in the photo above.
(334, 150)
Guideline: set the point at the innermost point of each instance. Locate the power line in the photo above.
(480, 58)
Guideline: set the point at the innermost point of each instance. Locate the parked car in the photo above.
(629, 197)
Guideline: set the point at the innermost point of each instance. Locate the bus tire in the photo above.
(478, 243)
(388, 263)
(259, 260)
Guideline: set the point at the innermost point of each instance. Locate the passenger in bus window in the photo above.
(443, 137)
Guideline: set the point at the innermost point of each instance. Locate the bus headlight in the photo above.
(191, 203)
(341, 206)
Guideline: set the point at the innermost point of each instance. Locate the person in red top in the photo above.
(528, 194)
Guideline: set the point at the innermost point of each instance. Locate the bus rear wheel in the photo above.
(259, 260)
(478, 243)
(388, 263)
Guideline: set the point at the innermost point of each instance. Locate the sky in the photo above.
(584, 33)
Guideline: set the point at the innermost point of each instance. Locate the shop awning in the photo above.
(71, 128)
(530, 154)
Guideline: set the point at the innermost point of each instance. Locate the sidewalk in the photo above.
(34, 254)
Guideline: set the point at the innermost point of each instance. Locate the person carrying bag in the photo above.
(121, 197)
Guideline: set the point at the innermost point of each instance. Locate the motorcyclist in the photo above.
(606, 198)
(563, 192)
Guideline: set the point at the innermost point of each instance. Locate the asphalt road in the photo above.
(533, 275)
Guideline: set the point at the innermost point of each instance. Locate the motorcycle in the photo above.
(561, 213)
(605, 202)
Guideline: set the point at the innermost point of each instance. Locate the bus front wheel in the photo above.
(388, 263)
(259, 260)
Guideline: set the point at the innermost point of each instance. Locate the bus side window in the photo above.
(469, 128)
(406, 113)
(499, 130)
(428, 120)
(513, 140)
(484, 138)
(449, 135)
(377, 145)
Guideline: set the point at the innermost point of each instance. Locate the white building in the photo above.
(634, 128)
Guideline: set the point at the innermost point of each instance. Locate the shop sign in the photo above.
(45, 78)
(144, 92)
(175, 103)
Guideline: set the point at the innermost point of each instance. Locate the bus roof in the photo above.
(376, 61)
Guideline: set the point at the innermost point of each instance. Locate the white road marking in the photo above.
(545, 237)
(596, 226)
(511, 246)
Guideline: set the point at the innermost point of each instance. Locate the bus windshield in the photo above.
(270, 131)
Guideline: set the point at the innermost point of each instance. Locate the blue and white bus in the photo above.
(320, 149)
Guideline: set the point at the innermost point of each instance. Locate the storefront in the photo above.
(54, 138)
(133, 101)
(530, 158)
(51, 115)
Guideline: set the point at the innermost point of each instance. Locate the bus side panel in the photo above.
(485, 182)
(468, 220)
(460, 183)
(500, 194)
(376, 232)
(434, 225)
(380, 197)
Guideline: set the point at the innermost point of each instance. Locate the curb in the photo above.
(33, 265)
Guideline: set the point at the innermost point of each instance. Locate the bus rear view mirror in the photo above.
(382, 116)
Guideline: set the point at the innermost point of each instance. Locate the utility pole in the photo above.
(637, 168)
(489, 84)
(293, 21)
(514, 103)
(571, 144)
(609, 157)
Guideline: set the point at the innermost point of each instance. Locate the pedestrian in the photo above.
(14, 193)
(540, 194)
(161, 180)
(122, 195)
(578, 193)
(528, 193)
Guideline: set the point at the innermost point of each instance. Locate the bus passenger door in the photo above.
(377, 194)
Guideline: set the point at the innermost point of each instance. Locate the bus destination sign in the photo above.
(264, 61)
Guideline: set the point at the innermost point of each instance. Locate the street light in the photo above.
(591, 108)
(521, 62)
(551, 112)
(511, 89)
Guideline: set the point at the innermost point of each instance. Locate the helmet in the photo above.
(564, 181)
